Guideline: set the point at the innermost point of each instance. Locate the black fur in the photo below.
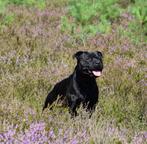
(80, 86)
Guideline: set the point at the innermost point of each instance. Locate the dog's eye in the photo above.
(87, 59)
(97, 61)
(84, 63)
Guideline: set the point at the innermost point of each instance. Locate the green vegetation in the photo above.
(21, 2)
(36, 51)
(139, 11)
(86, 18)
(38, 3)
(7, 18)
(91, 17)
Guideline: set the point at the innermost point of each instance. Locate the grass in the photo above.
(35, 54)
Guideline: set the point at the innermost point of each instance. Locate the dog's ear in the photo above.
(99, 54)
(78, 54)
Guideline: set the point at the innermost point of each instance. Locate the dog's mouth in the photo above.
(97, 73)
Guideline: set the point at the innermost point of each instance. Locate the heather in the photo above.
(37, 41)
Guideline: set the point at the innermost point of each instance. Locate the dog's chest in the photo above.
(81, 89)
(89, 90)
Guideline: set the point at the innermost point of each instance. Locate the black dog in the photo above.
(80, 87)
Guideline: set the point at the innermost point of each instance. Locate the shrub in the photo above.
(39, 3)
(7, 19)
(137, 26)
(2, 6)
(91, 17)
(139, 10)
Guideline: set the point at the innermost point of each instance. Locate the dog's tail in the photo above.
(53, 95)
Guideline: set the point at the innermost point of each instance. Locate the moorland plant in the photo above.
(37, 41)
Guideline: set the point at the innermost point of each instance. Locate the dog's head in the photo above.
(89, 63)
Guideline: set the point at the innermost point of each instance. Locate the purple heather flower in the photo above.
(36, 133)
(74, 141)
(8, 137)
(111, 131)
(140, 138)
(51, 134)
(125, 48)
(112, 49)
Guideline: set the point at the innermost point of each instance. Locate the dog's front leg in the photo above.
(52, 96)
(72, 109)
(91, 108)
(73, 103)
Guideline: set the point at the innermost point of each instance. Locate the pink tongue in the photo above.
(97, 73)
